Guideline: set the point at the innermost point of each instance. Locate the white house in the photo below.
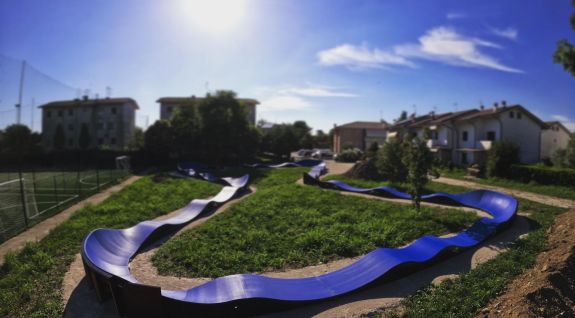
(554, 137)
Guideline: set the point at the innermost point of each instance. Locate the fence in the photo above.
(27, 198)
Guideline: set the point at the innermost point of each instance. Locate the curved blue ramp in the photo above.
(106, 254)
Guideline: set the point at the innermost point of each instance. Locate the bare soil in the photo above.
(548, 289)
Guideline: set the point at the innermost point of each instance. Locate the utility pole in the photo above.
(20, 92)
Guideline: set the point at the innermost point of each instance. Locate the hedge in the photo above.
(542, 175)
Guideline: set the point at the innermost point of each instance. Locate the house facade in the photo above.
(88, 123)
(168, 106)
(554, 137)
(464, 137)
(358, 134)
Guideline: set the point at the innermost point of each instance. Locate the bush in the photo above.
(389, 161)
(364, 169)
(542, 175)
(349, 155)
(500, 157)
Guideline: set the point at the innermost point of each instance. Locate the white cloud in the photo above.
(316, 91)
(279, 103)
(360, 57)
(455, 15)
(442, 44)
(509, 33)
(560, 117)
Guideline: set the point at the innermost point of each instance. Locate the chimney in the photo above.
(504, 103)
(85, 98)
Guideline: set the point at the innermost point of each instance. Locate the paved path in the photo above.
(40, 230)
(545, 199)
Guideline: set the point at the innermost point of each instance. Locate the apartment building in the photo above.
(168, 106)
(85, 123)
(358, 134)
(464, 137)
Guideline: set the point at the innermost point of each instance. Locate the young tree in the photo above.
(418, 160)
(84, 139)
(402, 116)
(19, 139)
(565, 53)
(159, 138)
(500, 157)
(186, 127)
(389, 161)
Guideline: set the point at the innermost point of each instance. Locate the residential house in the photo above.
(168, 106)
(554, 137)
(464, 137)
(358, 134)
(107, 123)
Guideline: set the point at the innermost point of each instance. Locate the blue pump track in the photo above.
(106, 254)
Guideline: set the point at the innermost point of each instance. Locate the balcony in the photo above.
(434, 143)
(484, 144)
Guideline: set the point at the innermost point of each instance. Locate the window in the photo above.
(113, 141)
(169, 109)
(70, 127)
(48, 114)
(110, 125)
(114, 110)
(434, 135)
(464, 136)
(491, 135)
(464, 158)
(511, 114)
(518, 115)
(60, 113)
(70, 112)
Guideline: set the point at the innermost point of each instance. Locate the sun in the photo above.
(213, 16)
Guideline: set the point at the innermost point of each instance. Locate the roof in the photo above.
(409, 122)
(364, 125)
(451, 116)
(176, 100)
(90, 102)
(501, 109)
(551, 123)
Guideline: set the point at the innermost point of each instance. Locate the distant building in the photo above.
(108, 122)
(554, 137)
(168, 106)
(358, 134)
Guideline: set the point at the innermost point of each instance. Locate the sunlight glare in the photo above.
(214, 16)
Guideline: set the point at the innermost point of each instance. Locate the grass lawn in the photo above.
(552, 190)
(30, 280)
(285, 225)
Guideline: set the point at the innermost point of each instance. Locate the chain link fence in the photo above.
(29, 197)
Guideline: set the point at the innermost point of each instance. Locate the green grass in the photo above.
(285, 225)
(551, 190)
(30, 280)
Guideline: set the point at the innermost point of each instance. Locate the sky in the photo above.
(326, 62)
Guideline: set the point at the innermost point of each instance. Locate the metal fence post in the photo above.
(23, 197)
(78, 184)
(55, 190)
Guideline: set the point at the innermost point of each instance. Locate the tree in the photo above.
(565, 53)
(84, 140)
(500, 157)
(389, 161)
(159, 139)
(321, 140)
(281, 140)
(186, 126)
(418, 161)
(565, 157)
(402, 116)
(303, 134)
(372, 150)
(59, 138)
(137, 142)
(19, 139)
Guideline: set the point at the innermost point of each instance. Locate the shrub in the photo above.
(500, 157)
(349, 155)
(372, 150)
(542, 175)
(364, 169)
(389, 161)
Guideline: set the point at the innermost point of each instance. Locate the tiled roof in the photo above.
(551, 123)
(175, 100)
(93, 102)
(365, 125)
(493, 111)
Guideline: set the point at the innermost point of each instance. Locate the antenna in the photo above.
(435, 108)
(207, 87)
(108, 92)
(414, 109)
(455, 105)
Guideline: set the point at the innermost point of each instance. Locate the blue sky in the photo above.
(321, 61)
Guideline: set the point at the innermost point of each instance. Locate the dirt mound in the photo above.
(364, 169)
(548, 289)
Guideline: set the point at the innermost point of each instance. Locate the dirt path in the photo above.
(548, 289)
(545, 199)
(40, 230)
